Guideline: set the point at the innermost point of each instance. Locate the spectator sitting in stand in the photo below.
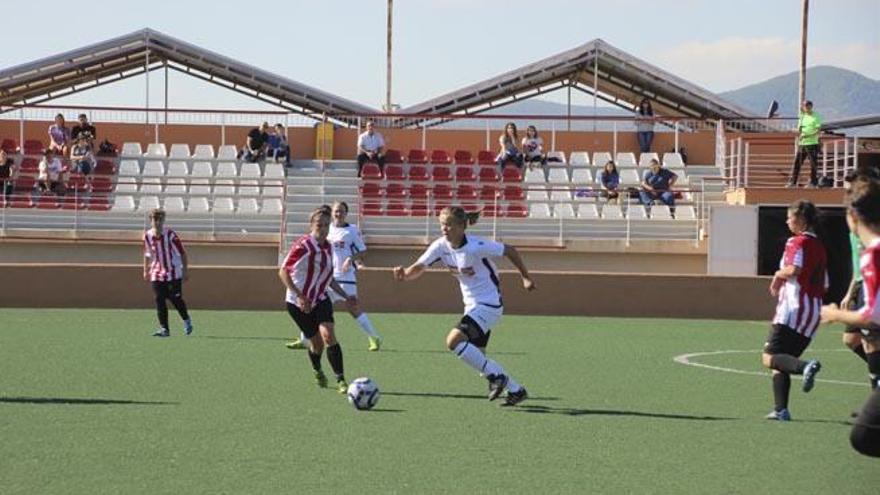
(84, 128)
(257, 142)
(509, 152)
(278, 146)
(82, 157)
(371, 148)
(8, 174)
(50, 174)
(657, 184)
(59, 135)
(609, 181)
(533, 148)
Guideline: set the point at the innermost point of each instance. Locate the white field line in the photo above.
(685, 359)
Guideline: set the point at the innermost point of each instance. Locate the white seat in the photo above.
(587, 210)
(156, 149)
(612, 212)
(153, 169)
(202, 169)
(630, 177)
(174, 204)
(539, 210)
(123, 203)
(537, 195)
(579, 159)
(660, 212)
(251, 170)
(129, 168)
(200, 187)
(131, 150)
(227, 152)
(636, 212)
(177, 168)
(274, 171)
(127, 185)
(625, 159)
(204, 151)
(686, 212)
(535, 176)
(223, 205)
(560, 155)
(249, 188)
(151, 185)
(148, 203)
(226, 169)
(248, 206)
(179, 150)
(600, 158)
(224, 187)
(584, 193)
(175, 185)
(581, 176)
(198, 205)
(671, 160)
(645, 158)
(271, 207)
(557, 175)
(273, 189)
(563, 210)
(558, 194)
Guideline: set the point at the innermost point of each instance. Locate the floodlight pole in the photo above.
(388, 70)
(802, 83)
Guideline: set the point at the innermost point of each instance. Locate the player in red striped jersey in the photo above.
(306, 272)
(166, 268)
(863, 218)
(800, 283)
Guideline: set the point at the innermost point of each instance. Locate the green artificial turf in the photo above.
(90, 403)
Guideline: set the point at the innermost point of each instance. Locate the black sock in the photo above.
(787, 364)
(859, 350)
(180, 306)
(873, 360)
(334, 355)
(781, 387)
(316, 360)
(162, 312)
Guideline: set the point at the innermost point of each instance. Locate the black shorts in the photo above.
(865, 436)
(474, 332)
(169, 289)
(308, 322)
(856, 302)
(784, 340)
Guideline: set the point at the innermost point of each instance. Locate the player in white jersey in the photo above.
(468, 258)
(348, 253)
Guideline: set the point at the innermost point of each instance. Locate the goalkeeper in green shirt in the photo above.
(809, 124)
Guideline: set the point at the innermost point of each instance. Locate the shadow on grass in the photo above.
(438, 395)
(66, 401)
(384, 410)
(567, 411)
(219, 337)
(439, 351)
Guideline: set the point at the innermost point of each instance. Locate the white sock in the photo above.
(475, 358)
(303, 339)
(367, 326)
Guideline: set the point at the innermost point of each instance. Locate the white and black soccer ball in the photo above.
(363, 393)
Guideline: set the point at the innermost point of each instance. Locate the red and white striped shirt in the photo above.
(800, 298)
(166, 254)
(870, 264)
(310, 266)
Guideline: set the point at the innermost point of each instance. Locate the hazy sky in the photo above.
(441, 45)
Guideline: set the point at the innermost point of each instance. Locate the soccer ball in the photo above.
(363, 394)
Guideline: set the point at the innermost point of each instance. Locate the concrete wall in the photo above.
(586, 294)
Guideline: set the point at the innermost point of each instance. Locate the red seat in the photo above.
(393, 157)
(514, 193)
(396, 209)
(394, 172)
(418, 209)
(105, 167)
(77, 183)
(517, 211)
(441, 157)
(490, 210)
(25, 183)
(395, 190)
(488, 193)
(418, 172)
(418, 191)
(417, 156)
(463, 157)
(442, 192)
(488, 174)
(20, 201)
(466, 192)
(29, 165)
(470, 207)
(102, 185)
(371, 190)
(33, 147)
(371, 171)
(48, 202)
(441, 173)
(511, 174)
(465, 173)
(98, 203)
(486, 157)
(9, 146)
(372, 208)
(71, 202)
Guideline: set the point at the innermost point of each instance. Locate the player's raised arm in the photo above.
(512, 254)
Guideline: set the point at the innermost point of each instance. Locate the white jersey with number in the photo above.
(345, 242)
(472, 265)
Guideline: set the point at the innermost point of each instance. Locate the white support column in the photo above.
(676, 136)
(552, 135)
(487, 136)
(424, 136)
(613, 141)
(21, 128)
(596, 90)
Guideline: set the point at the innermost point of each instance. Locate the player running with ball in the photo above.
(468, 258)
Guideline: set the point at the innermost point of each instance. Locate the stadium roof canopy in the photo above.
(596, 68)
(136, 53)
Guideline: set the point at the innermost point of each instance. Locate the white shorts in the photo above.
(350, 288)
(485, 316)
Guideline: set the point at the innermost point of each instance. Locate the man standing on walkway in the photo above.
(809, 124)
